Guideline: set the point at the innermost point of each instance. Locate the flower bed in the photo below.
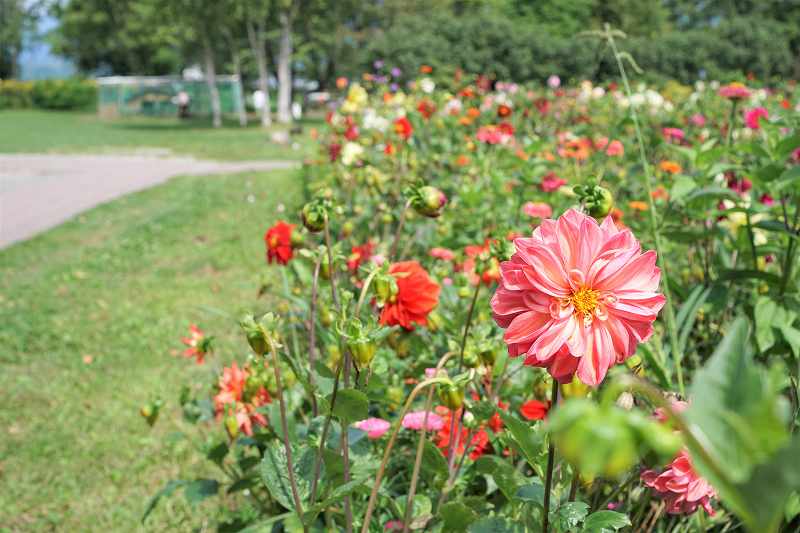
(517, 308)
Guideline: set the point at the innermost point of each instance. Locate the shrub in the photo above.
(67, 94)
(15, 94)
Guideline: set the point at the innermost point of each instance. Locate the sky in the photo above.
(37, 60)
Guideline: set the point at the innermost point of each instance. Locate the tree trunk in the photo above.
(211, 80)
(257, 44)
(237, 70)
(285, 70)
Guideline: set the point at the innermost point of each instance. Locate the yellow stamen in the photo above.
(584, 301)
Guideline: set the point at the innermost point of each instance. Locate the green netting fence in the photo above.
(157, 95)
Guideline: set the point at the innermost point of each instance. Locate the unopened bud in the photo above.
(313, 217)
(451, 396)
(429, 201)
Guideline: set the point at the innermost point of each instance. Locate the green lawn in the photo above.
(120, 284)
(63, 132)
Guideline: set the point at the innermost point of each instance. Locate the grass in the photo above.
(38, 131)
(91, 314)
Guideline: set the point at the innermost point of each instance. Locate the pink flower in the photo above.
(734, 91)
(375, 427)
(697, 120)
(752, 117)
(551, 182)
(442, 253)
(673, 134)
(577, 297)
(680, 486)
(415, 419)
(615, 149)
(537, 209)
(554, 82)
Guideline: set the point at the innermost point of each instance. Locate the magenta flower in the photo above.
(680, 486)
(673, 134)
(697, 120)
(374, 427)
(734, 91)
(551, 182)
(753, 116)
(537, 209)
(415, 419)
(577, 297)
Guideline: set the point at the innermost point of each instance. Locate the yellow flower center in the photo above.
(584, 301)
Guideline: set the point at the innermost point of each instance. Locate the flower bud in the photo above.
(347, 228)
(254, 334)
(600, 203)
(451, 396)
(488, 356)
(386, 288)
(625, 401)
(296, 239)
(325, 316)
(429, 201)
(232, 426)
(313, 217)
(363, 351)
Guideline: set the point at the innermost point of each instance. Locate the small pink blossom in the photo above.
(697, 120)
(673, 134)
(614, 149)
(537, 209)
(415, 419)
(442, 253)
(753, 116)
(554, 82)
(551, 182)
(375, 427)
(680, 486)
(734, 91)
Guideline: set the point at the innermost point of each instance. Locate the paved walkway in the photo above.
(38, 192)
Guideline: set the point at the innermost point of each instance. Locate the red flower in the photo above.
(534, 410)
(351, 134)
(551, 182)
(196, 345)
(478, 444)
(416, 296)
(681, 488)
(426, 108)
(279, 242)
(358, 254)
(488, 276)
(334, 149)
(232, 398)
(403, 128)
(503, 110)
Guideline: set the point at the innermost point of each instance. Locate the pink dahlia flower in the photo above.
(551, 182)
(375, 427)
(673, 134)
(680, 486)
(577, 297)
(734, 91)
(537, 209)
(616, 148)
(414, 420)
(753, 116)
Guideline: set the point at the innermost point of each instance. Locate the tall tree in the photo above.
(285, 17)
(256, 20)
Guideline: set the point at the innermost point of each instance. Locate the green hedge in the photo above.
(69, 94)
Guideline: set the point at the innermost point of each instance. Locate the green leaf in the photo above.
(532, 493)
(433, 462)
(682, 186)
(351, 405)
(165, 492)
(335, 496)
(216, 454)
(508, 479)
(605, 521)
(764, 313)
(524, 435)
(570, 514)
(688, 314)
(494, 524)
(274, 471)
(792, 337)
(200, 489)
(786, 147)
(457, 516)
(789, 179)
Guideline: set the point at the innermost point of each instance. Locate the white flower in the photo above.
(427, 85)
(453, 106)
(351, 152)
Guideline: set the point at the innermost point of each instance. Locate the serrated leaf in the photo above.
(200, 489)
(274, 470)
(351, 405)
(524, 435)
(457, 516)
(605, 521)
(570, 514)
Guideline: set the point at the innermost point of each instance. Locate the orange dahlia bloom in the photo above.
(417, 295)
(670, 167)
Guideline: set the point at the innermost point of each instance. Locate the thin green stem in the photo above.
(292, 332)
(312, 334)
(551, 459)
(399, 231)
(669, 312)
(276, 367)
(373, 497)
(334, 293)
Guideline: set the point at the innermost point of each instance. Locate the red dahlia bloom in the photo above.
(403, 128)
(196, 347)
(477, 445)
(680, 486)
(279, 242)
(417, 295)
(359, 254)
(534, 410)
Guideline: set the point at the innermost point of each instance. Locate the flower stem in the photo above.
(285, 430)
(373, 497)
(399, 231)
(324, 437)
(334, 293)
(669, 312)
(312, 334)
(467, 325)
(551, 459)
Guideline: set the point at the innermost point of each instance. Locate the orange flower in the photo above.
(462, 160)
(417, 295)
(578, 149)
(660, 193)
(473, 112)
(426, 69)
(503, 110)
(670, 167)
(637, 205)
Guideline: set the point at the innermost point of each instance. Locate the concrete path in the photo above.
(38, 191)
